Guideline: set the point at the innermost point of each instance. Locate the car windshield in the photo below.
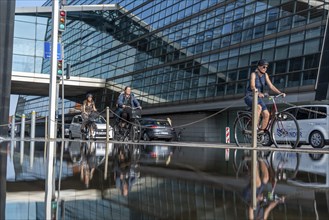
(161, 123)
(100, 120)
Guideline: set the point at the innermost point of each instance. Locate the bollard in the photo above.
(227, 141)
(32, 138)
(12, 134)
(22, 139)
(107, 141)
(254, 146)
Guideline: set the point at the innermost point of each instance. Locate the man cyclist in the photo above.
(126, 101)
(258, 79)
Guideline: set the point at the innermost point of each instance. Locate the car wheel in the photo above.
(70, 136)
(146, 137)
(316, 139)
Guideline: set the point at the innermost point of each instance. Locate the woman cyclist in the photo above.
(87, 108)
(258, 79)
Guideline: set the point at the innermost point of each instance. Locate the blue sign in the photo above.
(47, 51)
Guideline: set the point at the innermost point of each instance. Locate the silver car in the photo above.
(75, 128)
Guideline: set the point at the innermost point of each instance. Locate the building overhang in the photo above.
(37, 84)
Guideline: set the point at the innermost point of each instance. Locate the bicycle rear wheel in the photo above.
(135, 131)
(285, 164)
(242, 130)
(241, 162)
(285, 130)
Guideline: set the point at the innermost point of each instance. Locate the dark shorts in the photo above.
(248, 101)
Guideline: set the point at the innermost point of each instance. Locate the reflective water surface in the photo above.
(161, 182)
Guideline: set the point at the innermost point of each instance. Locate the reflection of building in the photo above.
(184, 57)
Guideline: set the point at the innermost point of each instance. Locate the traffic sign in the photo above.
(47, 50)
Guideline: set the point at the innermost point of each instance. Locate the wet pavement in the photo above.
(161, 182)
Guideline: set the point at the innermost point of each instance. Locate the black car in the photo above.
(156, 129)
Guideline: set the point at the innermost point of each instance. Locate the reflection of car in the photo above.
(156, 129)
(313, 124)
(75, 128)
(155, 154)
(66, 130)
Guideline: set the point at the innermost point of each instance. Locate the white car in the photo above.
(313, 124)
(75, 128)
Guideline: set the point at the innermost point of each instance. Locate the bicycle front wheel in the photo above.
(285, 164)
(285, 130)
(136, 131)
(242, 130)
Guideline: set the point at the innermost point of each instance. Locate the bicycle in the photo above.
(282, 129)
(285, 164)
(129, 130)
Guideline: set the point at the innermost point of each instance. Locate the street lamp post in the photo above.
(52, 104)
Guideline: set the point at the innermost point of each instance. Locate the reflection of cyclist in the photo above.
(125, 100)
(262, 210)
(87, 168)
(124, 172)
(258, 79)
(87, 108)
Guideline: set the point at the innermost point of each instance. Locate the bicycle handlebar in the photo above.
(273, 96)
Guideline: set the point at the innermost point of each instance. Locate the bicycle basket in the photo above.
(136, 113)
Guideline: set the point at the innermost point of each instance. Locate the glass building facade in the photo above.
(180, 52)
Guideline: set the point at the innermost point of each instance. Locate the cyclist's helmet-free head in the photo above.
(262, 62)
(89, 95)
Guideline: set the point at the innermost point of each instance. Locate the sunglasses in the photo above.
(264, 67)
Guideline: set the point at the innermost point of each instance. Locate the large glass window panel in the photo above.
(309, 77)
(39, 49)
(23, 63)
(233, 63)
(243, 74)
(220, 89)
(230, 88)
(232, 76)
(316, 14)
(241, 87)
(268, 54)
(273, 14)
(250, 9)
(281, 67)
(38, 65)
(294, 79)
(41, 32)
(271, 27)
(296, 50)
(26, 18)
(296, 64)
(280, 81)
(222, 65)
(260, 18)
(245, 49)
(312, 46)
(314, 32)
(299, 36)
(24, 46)
(312, 61)
(281, 52)
(238, 13)
(254, 57)
(285, 23)
(227, 28)
(244, 60)
(24, 30)
(248, 22)
(259, 31)
(247, 35)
